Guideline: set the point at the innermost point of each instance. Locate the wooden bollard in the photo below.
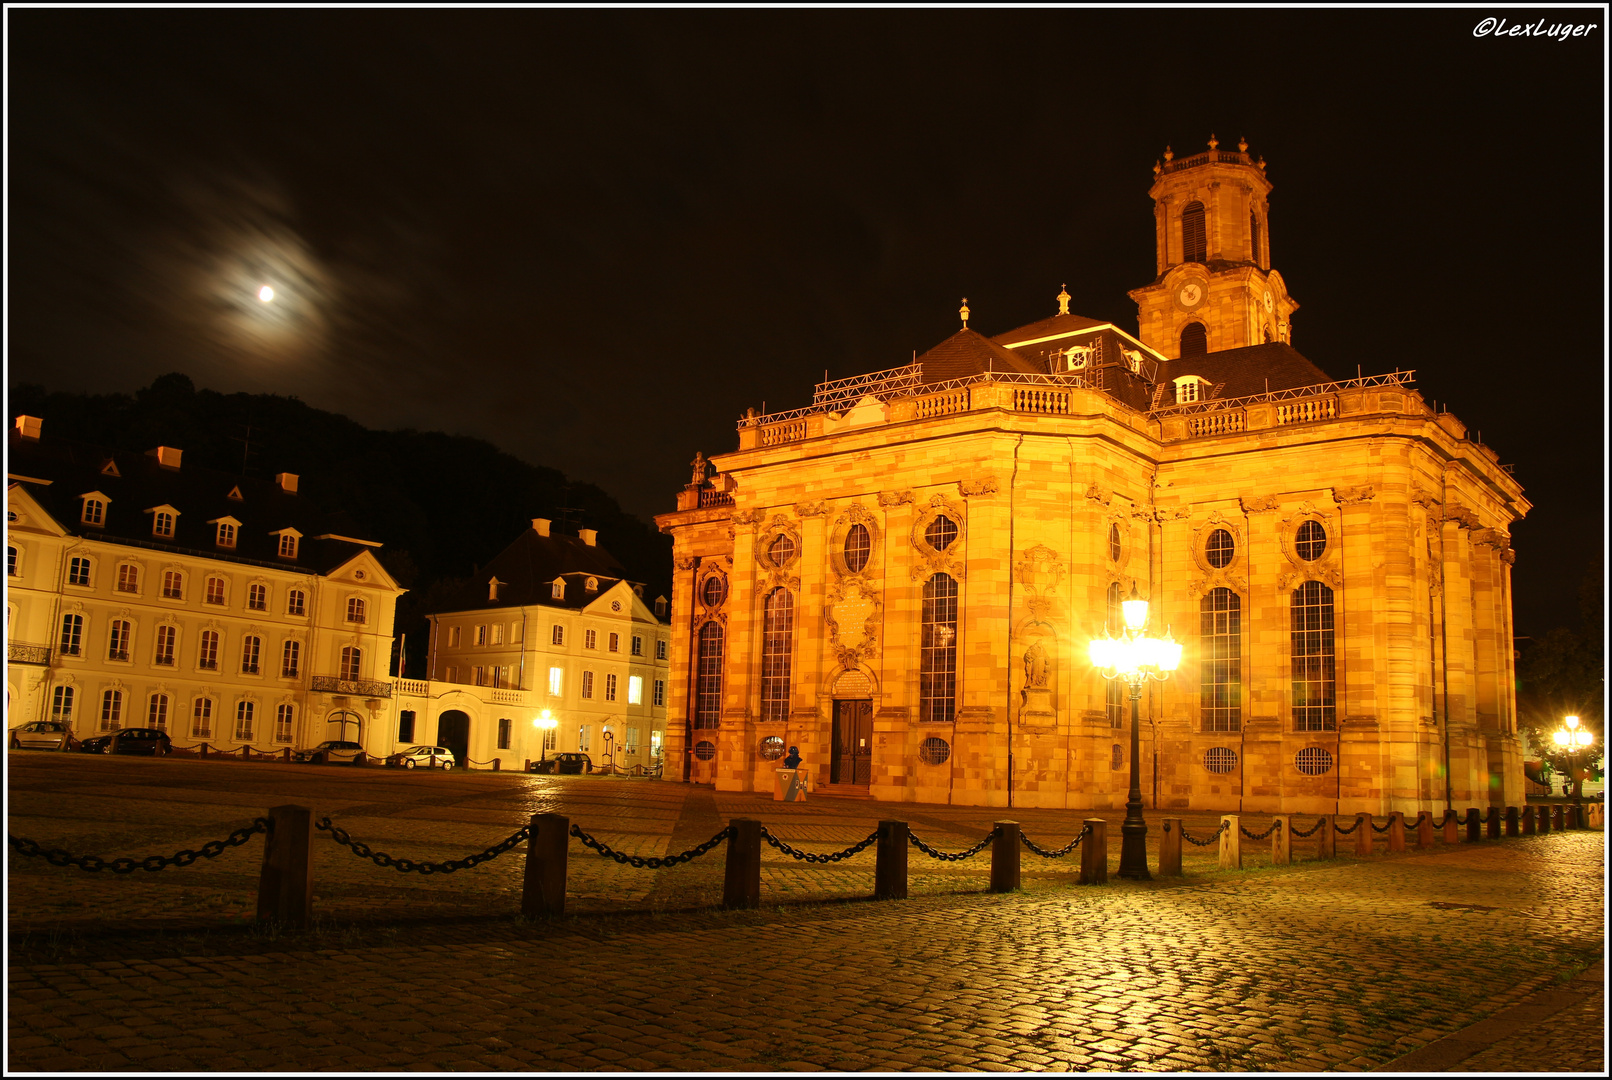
(1169, 848)
(1452, 826)
(1530, 820)
(1231, 844)
(285, 884)
(741, 887)
(1511, 822)
(1491, 823)
(1365, 839)
(1005, 857)
(1474, 827)
(1544, 818)
(1327, 846)
(285, 755)
(1556, 816)
(202, 750)
(548, 846)
(1094, 853)
(496, 762)
(1396, 830)
(890, 865)
(1424, 829)
(1281, 843)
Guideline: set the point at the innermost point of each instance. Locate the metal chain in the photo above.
(1341, 831)
(1061, 852)
(94, 864)
(1212, 837)
(813, 858)
(1384, 829)
(1259, 836)
(406, 866)
(653, 862)
(912, 838)
(1313, 829)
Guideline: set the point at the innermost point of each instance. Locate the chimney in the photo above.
(28, 427)
(540, 526)
(287, 482)
(589, 536)
(167, 456)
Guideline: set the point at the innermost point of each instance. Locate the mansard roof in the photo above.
(528, 568)
(1252, 369)
(968, 353)
(1056, 326)
(135, 483)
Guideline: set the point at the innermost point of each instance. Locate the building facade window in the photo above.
(61, 704)
(201, 719)
(1220, 549)
(1194, 237)
(1114, 690)
(714, 591)
(78, 571)
(479, 636)
(1220, 646)
(1310, 541)
(288, 546)
(173, 584)
(351, 663)
(551, 739)
(637, 645)
(504, 726)
(157, 711)
(937, 675)
(244, 713)
(356, 610)
(453, 637)
(635, 689)
(118, 638)
(660, 693)
(284, 717)
(296, 602)
(585, 737)
(708, 677)
(497, 634)
(1314, 662)
(290, 659)
(557, 590)
(94, 512)
(615, 642)
(777, 649)
(1194, 340)
(660, 649)
(858, 546)
(405, 726)
(162, 524)
(214, 592)
(251, 654)
(226, 535)
(257, 597)
(941, 533)
(128, 578)
(72, 639)
(556, 681)
(781, 552)
(610, 686)
(590, 639)
(11, 561)
(207, 653)
(167, 640)
(587, 684)
(557, 635)
(111, 710)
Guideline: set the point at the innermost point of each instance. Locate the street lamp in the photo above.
(545, 723)
(1572, 737)
(1136, 658)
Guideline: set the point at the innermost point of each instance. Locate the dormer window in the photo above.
(1190, 388)
(591, 585)
(94, 511)
(226, 535)
(492, 588)
(288, 545)
(557, 591)
(162, 524)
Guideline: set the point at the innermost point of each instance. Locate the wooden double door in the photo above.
(851, 760)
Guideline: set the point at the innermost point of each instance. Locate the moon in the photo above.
(265, 294)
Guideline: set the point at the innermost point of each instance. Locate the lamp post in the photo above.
(1572, 737)
(1136, 658)
(545, 723)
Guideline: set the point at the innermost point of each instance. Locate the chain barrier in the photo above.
(958, 856)
(1384, 829)
(1258, 836)
(1341, 831)
(1212, 837)
(94, 864)
(813, 858)
(652, 862)
(1061, 852)
(407, 866)
(1312, 830)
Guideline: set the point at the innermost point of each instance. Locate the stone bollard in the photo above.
(1169, 848)
(890, 865)
(1511, 822)
(1094, 854)
(1556, 816)
(285, 755)
(1424, 829)
(496, 762)
(1396, 830)
(741, 887)
(548, 843)
(1529, 820)
(527, 767)
(1281, 843)
(360, 759)
(1491, 823)
(1231, 843)
(285, 884)
(201, 751)
(1474, 827)
(1544, 819)
(322, 757)
(1365, 839)
(1327, 846)
(1452, 826)
(1005, 857)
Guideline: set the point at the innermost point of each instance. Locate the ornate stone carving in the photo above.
(1040, 572)
(927, 559)
(685, 562)
(1351, 495)
(1462, 516)
(1509, 557)
(891, 499)
(852, 618)
(1035, 666)
(1100, 494)
(747, 517)
(1492, 538)
(984, 485)
(811, 509)
(1425, 499)
(1258, 503)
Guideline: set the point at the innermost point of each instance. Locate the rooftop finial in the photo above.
(1157, 168)
(1213, 142)
(963, 311)
(1063, 299)
(1169, 155)
(1262, 163)
(1242, 146)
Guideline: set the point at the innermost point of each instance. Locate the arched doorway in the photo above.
(453, 732)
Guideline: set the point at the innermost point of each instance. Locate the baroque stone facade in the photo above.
(902, 578)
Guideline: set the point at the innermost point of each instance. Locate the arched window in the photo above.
(708, 677)
(214, 593)
(111, 710)
(1114, 692)
(201, 719)
(207, 654)
(356, 612)
(257, 597)
(1314, 660)
(290, 659)
(173, 584)
(117, 640)
(557, 589)
(251, 652)
(1220, 643)
(61, 704)
(78, 571)
(1194, 340)
(167, 639)
(1194, 237)
(128, 578)
(1253, 238)
(244, 711)
(296, 602)
(157, 711)
(937, 675)
(351, 661)
(283, 717)
(857, 547)
(777, 641)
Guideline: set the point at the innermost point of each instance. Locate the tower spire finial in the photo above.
(1213, 142)
(1063, 299)
(963, 311)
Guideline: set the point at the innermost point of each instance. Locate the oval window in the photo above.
(1220, 759)
(705, 750)
(857, 546)
(934, 751)
(1220, 548)
(714, 591)
(772, 748)
(781, 552)
(941, 532)
(1313, 760)
(1311, 541)
(1114, 549)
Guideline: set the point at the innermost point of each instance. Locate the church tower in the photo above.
(1215, 288)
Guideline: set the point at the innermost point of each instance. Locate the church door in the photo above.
(852, 759)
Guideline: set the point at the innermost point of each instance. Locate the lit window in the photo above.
(157, 711)
(215, 591)
(937, 676)
(556, 681)
(128, 578)
(1186, 389)
(557, 590)
(1114, 691)
(61, 704)
(117, 640)
(243, 720)
(162, 524)
(660, 693)
(167, 638)
(111, 710)
(1314, 659)
(251, 651)
(207, 655)
(558, 635)
(941, 533)
(551, 739)
(78, 571)
(94, 512)
(708, 677)
(173, 584)
(587, 684)
(226, 535)
(660, 649)
(290, 659)
(453, 637)
(615, 642)
(584, 737)
(497, 634)
(610, 686)
(288, 546)
(635, 690)
(257, 597)
(72, 638)
(296, 602)
(777, 642)
(283, 717)
(590, 639)
(355, 609)
(858, 545)
(351, 661)
(201, 719)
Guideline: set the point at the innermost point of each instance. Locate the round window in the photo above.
(1119, 758)
(705, 750)
(714, 591)
(1311, 541)
(1220, 548)
(941, 532)
(781, 552)
(1220, 759)
(934, 751)
(1313, 761)
(615, 605)
(1114, 549)
(857, 546)
(772, 748)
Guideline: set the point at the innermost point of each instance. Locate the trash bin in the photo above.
(781, 784)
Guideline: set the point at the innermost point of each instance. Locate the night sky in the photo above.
(595, 238)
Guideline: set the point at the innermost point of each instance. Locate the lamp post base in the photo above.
(1133, 851)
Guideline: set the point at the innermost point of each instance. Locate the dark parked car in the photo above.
(570, 762)
(340, 750)
(134, 740)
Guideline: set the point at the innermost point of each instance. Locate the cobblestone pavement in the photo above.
(1348, 964)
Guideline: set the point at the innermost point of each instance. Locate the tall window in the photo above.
(615, 642)
(777, 641)
(1314, 662)
(551, 739)
(11, 561)
(72, 634)
(1220, 643)
(584, 737)
(167, 638)
(243, 720)
(207, 655)
(251, 653)
(94, 512)
(173, 584)
(858, 545)
(226, 535)
(556, 681)
(201, 719)
(61, 704)
(708, 677)
(1194, 340)
(290, 659)
(557, 589)
(610, 686)
(128, 578)
(498, 633)
(283, 717)
(117, 640)
(78, 571)
(405, 726)
(355, 614)
(660, 692)
(1194, 237)
(111, 710)
(587, 684)
(660, 649)
(296, 602)
(1114, 692)
(162, 524)
(504, 726)
(157, 711)
(257, 597)
(288, 546)
(635, 689)
(557, 635)
(350, 663)
(1253, 238)
(215, 591)
(590, 639)
(453, 637)
(937, 676)
(637, 645)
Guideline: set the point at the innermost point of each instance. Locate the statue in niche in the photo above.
(1035, 667)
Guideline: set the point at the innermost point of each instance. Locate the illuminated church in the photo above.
(903, 577)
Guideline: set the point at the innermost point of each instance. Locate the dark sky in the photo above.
(594, 238)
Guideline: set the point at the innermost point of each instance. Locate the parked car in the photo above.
(40, 735)
(572, 762)
(340, 750)
(132, 740)
(432, 757)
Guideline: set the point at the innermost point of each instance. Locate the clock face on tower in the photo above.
(1190, 293)
(1268, 300)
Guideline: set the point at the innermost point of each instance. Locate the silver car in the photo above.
(430, 757)
(41, 735)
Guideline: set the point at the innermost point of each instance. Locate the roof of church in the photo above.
(968, 353)
(1045, 328)
(1253, 369)
(527, 569)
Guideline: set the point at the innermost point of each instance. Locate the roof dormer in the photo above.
(92, 508)
(229, 530)
(164, 521)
